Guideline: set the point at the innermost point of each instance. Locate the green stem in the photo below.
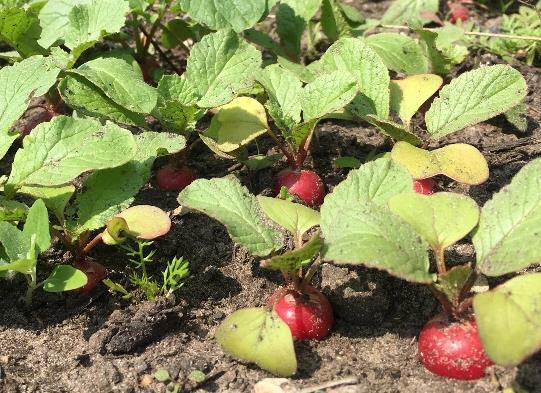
(440, 260)
(290, 158)
(32, 285)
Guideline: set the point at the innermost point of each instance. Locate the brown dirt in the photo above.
(73, 343)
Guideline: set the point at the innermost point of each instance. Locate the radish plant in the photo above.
(395, 228)
(265, 335)
(296, 108)
(19, 251)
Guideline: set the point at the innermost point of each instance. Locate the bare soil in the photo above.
(74, 343)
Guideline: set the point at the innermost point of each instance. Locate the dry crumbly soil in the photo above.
(74, 343)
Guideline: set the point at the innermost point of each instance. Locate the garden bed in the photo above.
(100, 343)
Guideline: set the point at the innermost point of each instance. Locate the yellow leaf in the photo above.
(237, 123)
(407, 95)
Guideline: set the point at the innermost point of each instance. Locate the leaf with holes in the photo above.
(20, 29)
(60, 150)
(404, 11)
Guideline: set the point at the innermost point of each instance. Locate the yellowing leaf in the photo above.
(407, 95)
(441, 219)
(144, 222)
(259, 336)
(237, 123)
(461, 162)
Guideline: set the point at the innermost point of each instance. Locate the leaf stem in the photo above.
(290, 158)
(440, 260)
(160, 50)
(474, 33)
(92, 243)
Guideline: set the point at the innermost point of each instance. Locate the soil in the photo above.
(75, 343)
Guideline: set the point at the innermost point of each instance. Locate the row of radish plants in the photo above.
(82, 99)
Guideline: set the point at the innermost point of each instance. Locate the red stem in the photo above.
(290, 158)
(92, 243)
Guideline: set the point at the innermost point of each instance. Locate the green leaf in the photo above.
(221, 65)
(21, 82)
(358, 228)
(292, 18)
(473, 97)
(518, 116)
(352, 55)
(64, 278)
(86, 98)
(20, 29)
(23, 266)
(12, 210)
(444, 53)
(238, 123)
(294, 217)
(143, 222)
(441, 219)
(327, 93)
(227, 201)
(399, 52)
(176, 31)
(365, 233)
(404, 11)
(236, 14)
(118, 80)
(260, 161)
(162, 375)
(37, 223)
(459, 161)
(16, 244)
(259, 336)
(508, 319)
(407, 95)
(91, 21)
(292, 261)
(507, 238)
(394, 130)
(176, 108)
(376, 182)
(60, 150)
(55, 198)
(283, 89)
(347, 162)
(54, 20)
(333, 21)
(110, 191)
(452, 282)
(6, 140)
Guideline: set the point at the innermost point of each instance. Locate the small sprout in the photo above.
(197, 376)
(162, 375)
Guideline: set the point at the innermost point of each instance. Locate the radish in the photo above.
(453, 349)
(34, 121)
(424, 186)
(307, 312)
(305, 184)
(95, 272)
(458, 13)
(174, 179)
